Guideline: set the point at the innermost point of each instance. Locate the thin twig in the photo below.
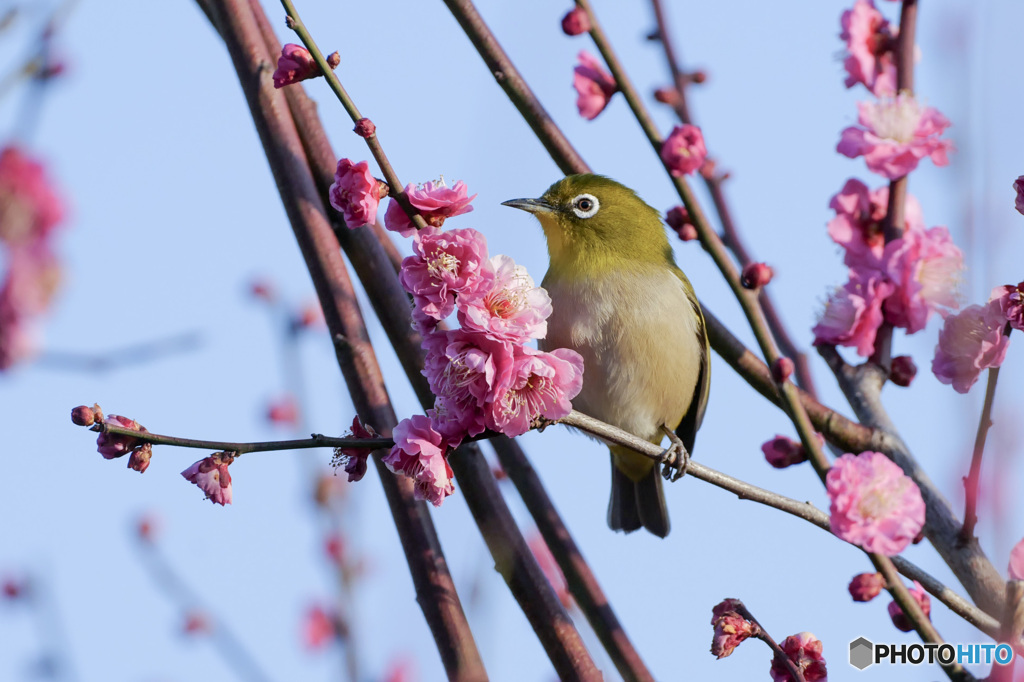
(762, 634)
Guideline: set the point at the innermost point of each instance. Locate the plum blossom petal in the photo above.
(870, 43)
(731, 629)
(683, 151)
(113, 445)
(29, 205)
(419, 453)
(853, 313)
(355, 193)
(1018, 187)
(539, 385)
(513, 309)
(446, 264)
(804, 649)
(434, 200)
(1016, 567)
(212, 476)
(895, 133)
(297, 64)
(594, 86)
(926, 268)
(1010, 299)
(899, 619)
(874, 504)
(353, 460)
(857, 226)
(970, 341)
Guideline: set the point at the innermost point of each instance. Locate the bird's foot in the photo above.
(541, 423)
(675, 457)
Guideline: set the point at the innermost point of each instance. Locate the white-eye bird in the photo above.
(621, 302)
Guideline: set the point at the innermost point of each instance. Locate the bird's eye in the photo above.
(585, 206)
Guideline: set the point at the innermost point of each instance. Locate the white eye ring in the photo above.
(585, 206)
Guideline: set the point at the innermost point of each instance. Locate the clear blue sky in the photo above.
(173, 211)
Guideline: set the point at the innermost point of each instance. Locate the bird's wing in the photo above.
(687, 429)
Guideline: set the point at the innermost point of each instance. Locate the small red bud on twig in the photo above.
(83, 416)
(575, 22)
(365, 127)
(699, 76)
(333, 59)
(756, 275)
(782, 369)
(903, 370)
(667, 95)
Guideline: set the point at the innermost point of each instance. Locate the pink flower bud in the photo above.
(782, 369)
(1018, 186)
(15, 588)
(295, 64)
(756, 275)
(804, 650)
(782, 452)
(683, 151)
(575, 22)
(365, 128)
(146, 528)
(284, 411)
(196, 623)
(903, 370)
(899, 619)
(112, 445)
(667, 95)
(866, 586)
(139, 460)
(263, 289)
(731, 629)
(699, 76)
(83, 415)
(594, 86)
(333, 59)
(334, 547)
(319, 628)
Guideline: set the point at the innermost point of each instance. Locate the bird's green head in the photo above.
(593, 223)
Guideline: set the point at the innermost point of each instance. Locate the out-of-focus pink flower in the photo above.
(513, 309)
(402, 670)
(1018, 187)
(196, 623)
(296, 64)
(895, 133)
(354, 459)
(263, 289)
(147, 528)
(355, 193)
(112, 445)
(446, 264)
(319, 628)
(594, 86)
(434, 200)
(756, 275)
(539, 385)
(465, 370)
(329, 488)
(334, 547)
(804, 649)
(857, 226)
(419, 453)
(1016, 567)
(683, 151)
(33, 274)
(1011, 303)
(782, 452)
(870, 46)
(678, 218)
(15, 588)
(925, 267)
(853, 313)
(575, 22)
(899, 619)
(874, 504)
(903, 370)
(29, 205)
(284, 411)
(212, 476)
(731, 629)
(139, 459)
(970, 341)
(311, 315)
(549, 567)
(866, 586)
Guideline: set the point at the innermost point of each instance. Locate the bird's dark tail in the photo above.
(636, 504)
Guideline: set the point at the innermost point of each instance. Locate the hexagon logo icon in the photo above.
(862, 653)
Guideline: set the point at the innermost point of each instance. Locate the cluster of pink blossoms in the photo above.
(30, 211)
(903, 282)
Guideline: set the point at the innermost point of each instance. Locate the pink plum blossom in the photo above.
(1018, 187)
(419, 453)
(112, 445)
(866, 586)
(594, 86)
(29, 205)
(853, 313)
(899, 619)
(539, 385)
(212, 476)
(857, 226)
(970, 341)
(446, 264)
(1016, 567)
(926, 267)
(464, 370)
(731, 629)
(284, 411)
(435, 201)
(355, 193)
(870, 42)
(1010, 299)
(319, 627)
(895, 133)
(874, 504)
(683, 151)
(804, 649)
(354, 459)
(513, 309)
(140, 457)
(297, 64)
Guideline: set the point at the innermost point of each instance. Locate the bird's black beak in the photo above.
(530, 205)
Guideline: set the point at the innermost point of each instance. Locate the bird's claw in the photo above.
(541, 423)
(675, 457)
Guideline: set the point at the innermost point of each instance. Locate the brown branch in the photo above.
(730, 233)
(973, 480)
(762, 634)
(434, 587)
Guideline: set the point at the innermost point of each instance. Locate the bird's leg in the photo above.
(541, 423)
(676, 457)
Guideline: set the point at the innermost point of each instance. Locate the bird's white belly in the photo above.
(638, 337)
